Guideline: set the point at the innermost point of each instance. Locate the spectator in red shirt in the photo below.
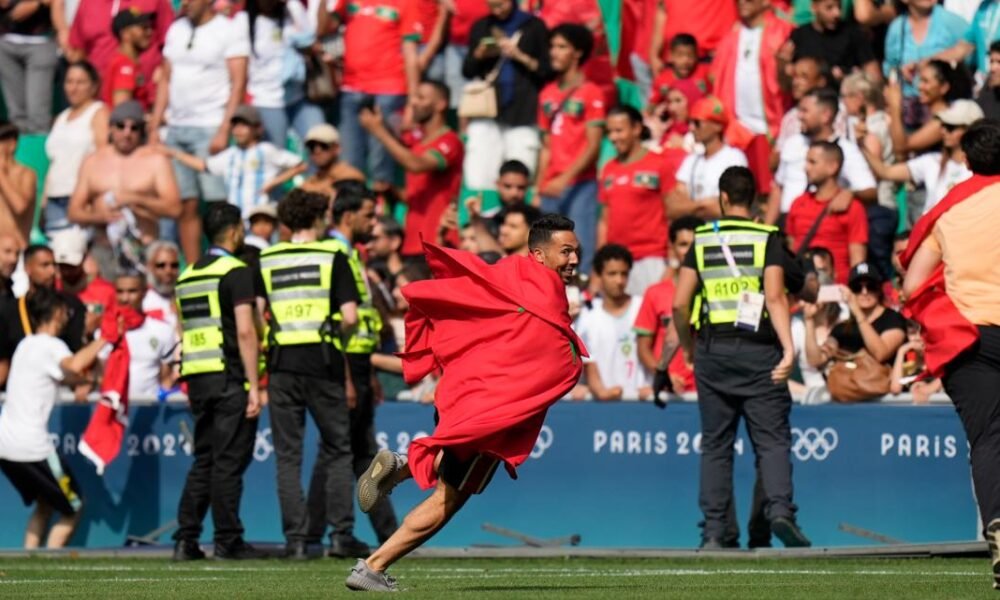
(91, 38)
(707, 20)
(571, 117)
(634, 187)
(433, 164)
(587, 13)
(845, 234)
(123, 80)
(653, 326)
(380, 69)
(683, 69)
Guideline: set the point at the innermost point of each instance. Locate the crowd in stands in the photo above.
(849, 114)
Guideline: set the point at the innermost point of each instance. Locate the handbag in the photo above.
(857, 377)
(322, 83)
(479, 98)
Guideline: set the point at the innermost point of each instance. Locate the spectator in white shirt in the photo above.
(938, 172)
(163, 266)
(697, 190)
(202, 81)
(613, 370)
(151, 346)
(280, 33)
(253, 170)
(817, 113)
(41, 363)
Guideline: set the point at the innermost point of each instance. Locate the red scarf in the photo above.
(502, 337)
(946, 332)
(102, 439)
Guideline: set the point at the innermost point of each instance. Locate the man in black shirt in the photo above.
(40, 267)
(843, 45)
(217, 306)
(9, 253)
(744, 356)
(308, 281)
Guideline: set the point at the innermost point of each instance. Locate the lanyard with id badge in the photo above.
(750, 306)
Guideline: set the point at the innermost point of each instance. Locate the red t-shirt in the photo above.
(634, 194)
(646, 12)
(834, 233)
(427, 14)
(467, 12)
(429, 193)
(124, 74)
(668, 79)
(91, 32)
(707, 20)
(657, 305)
(373, 43)
(567, 133)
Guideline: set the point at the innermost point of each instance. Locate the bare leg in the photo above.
(426, 519)
(37, 525)
(189, 230)
(62, 530)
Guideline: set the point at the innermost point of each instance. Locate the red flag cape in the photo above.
(102, 439)
(501, 337)
(946, 332)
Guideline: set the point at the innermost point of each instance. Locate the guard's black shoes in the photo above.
(348, 547)
(297, 550)
(789, 533)
(187, 550)
(238, 550)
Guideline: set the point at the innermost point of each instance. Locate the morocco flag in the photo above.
(501, 337)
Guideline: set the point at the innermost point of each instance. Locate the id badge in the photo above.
(749, 310)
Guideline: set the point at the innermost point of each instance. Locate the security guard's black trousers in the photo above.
(290, 396)
(363, 449)
(972, 381)
(734, 380)
(223, 449)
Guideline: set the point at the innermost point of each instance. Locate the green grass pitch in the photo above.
(913, 579)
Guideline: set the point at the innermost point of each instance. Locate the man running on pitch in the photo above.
(502, 339)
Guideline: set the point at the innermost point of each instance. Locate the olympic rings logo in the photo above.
(812, 443)
(545, 439)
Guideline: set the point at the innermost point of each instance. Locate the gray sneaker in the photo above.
(379, 479)
(363, 579)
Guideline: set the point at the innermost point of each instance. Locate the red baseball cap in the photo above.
(709, 108)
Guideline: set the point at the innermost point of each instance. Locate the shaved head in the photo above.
(9, 251)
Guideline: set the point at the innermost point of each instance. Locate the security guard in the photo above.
(307, 281)
(744, 356)
(217, 307)
(353, 221)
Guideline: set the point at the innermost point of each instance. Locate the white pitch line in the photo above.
(110, 580)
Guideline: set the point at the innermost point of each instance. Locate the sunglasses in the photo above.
(136, 127)
(864, 286)
(164, 265)
(317, 146)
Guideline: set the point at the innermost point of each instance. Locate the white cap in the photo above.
(69, 246)
(268, 209)
(961, 113)
(323, 133)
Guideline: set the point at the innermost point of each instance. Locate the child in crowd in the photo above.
(253, 170)
(909, 372)
(683, 72)
(263, 222)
